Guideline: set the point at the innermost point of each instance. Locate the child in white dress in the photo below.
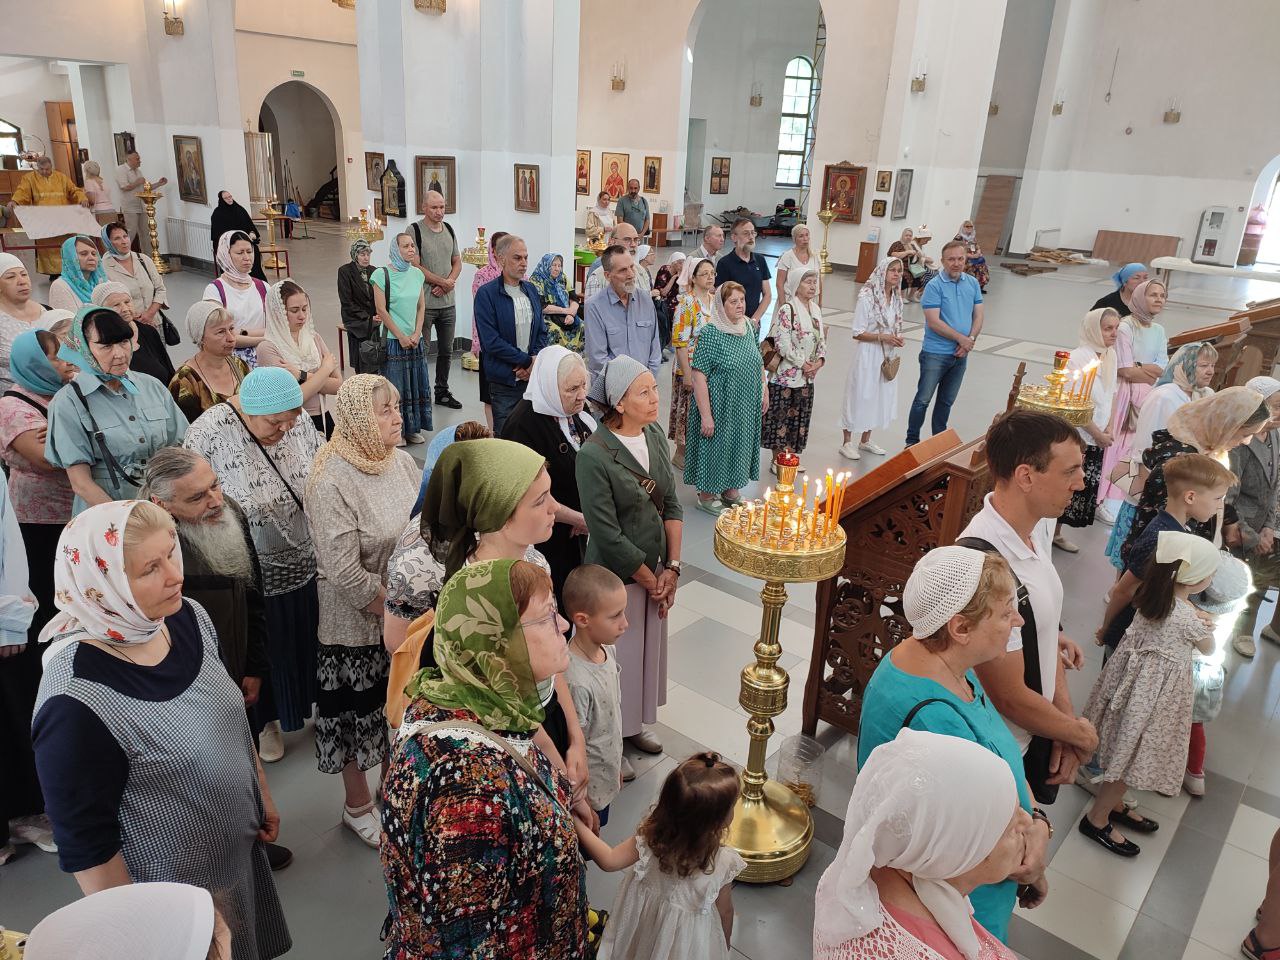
(675, 902)
(1141, 704)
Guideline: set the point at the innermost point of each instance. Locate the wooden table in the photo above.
(281, 261)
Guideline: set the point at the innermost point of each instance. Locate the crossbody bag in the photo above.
(98, 439)
(266, 456)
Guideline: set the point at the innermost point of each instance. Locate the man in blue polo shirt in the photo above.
(953, 319)
(743, 265)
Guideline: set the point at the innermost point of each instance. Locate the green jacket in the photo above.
(624, 527)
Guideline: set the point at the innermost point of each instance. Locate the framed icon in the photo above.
(374, 164)
(884, 178)
(614, 170)
(439, 174)
(902, 195)
(879, 208)
(527, 187)
(188, 157)
(584, 173)
(652, 180)
(843, 188)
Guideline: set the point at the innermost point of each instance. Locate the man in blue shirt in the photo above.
(953, 319)
(746, 267)
(620, 320)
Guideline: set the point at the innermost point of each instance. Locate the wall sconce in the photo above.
(346, 4)
(1056, 110)
(757, 95)
(1174, 113)
(619, 79)
(993, 108)
(918, 77)
(429, 6)
(172, 22)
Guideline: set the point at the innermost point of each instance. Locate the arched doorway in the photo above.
(1261, 243)
(306, 130)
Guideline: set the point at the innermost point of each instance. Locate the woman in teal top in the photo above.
(961, 607)
(106, 423)
(400, 314)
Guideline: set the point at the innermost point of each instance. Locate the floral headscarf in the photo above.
(356, 437)
(358, 246)
(1138, 303)
(90, 588)
(490, 272)
(76, 349)
(1209, 423)
(1181, 369)
(301, 353)
(223, 256)
(886, 308)
(541, 278)
(482, 660)
(397, 262)
(81, 283)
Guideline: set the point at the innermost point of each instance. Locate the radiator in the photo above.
(1051, 237)
(188, 238)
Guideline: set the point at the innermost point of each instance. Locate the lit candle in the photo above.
(827, 502)
(764, 518)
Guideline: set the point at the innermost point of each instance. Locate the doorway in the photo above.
(304, 126)
(695, 160)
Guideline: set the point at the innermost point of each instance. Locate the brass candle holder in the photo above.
(1065, 394)
(148, 196)
(781, 539)
(477, 256)
(365, 229)
(826, 216)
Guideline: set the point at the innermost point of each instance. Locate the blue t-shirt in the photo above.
(954, 300)
(1140, 553)
(890, 696)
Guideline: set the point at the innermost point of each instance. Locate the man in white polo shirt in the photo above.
(1037, 463)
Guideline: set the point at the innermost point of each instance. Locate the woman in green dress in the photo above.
(723, 441)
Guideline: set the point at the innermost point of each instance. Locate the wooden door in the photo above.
(993, 210)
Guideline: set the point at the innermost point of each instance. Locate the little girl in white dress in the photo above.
(675, 902)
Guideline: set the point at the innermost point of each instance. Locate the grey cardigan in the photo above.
(1256, 497)
(624, 528)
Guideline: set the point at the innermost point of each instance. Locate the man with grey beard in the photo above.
(620, 320)
(743, 265)
(220, 572)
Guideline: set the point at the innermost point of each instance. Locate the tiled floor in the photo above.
(1190, 894)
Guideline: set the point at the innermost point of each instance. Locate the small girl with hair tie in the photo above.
(676, 902)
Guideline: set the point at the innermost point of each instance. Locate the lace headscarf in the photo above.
(356, 437)
(81, 283)
(930, 805)
(1138, 303)
(1210, 423)
(886, 308)
(223, 257)
(1181, 369)
(1091, 338)
(106, 289)
(301, 353)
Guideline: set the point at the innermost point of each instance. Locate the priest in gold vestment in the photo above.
(45, 186)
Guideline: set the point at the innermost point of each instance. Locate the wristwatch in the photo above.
(302, 378)
(674, 567)
(1038, 814)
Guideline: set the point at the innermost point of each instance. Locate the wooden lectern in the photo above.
(1248, 343)
(893, 516)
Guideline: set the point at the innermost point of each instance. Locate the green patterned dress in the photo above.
(731, 456)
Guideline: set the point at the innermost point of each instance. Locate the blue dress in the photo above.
(890, 696)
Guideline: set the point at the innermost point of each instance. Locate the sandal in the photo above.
(712, 506)
(1127, 819)
(364, 824)
(1254, 950)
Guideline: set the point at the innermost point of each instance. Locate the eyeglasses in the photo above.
(551, 617)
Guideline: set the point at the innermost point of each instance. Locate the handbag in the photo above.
(1130, 476)
(405, 662)
(373, 352)
(1037, 757)
(171, 335)
(916, 270)
(770, 355)
(890, 364)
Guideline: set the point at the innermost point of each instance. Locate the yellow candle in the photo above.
(827, 504)
(764, 518)
(804, 493)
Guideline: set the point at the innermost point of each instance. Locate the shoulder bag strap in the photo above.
(417, 236)
(25, 399)
(501, 743)
(262, 291)
(647, 484)
(1030, 636)
(266, 456)
(114, 470)
(222, 291)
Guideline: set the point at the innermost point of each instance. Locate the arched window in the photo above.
(793, 129)
(10, 139)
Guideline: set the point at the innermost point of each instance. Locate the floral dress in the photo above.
(689, 318)
(479, 861)
(799, 337)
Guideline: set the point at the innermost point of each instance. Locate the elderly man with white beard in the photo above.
(220, 572)
(620, 320)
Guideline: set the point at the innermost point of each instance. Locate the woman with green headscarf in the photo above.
(486, 500)
(479, 851)
(355, 295)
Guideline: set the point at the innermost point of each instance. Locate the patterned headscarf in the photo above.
(1181, 369)
(1208, 424)
(110, 247)
(30, 367)
(90, 588)
(1091, 338)
(81, 283)
(482, 660)
(490, 272)
(1138, 302)
(223, 257)
(475, 487)
(886, 308)
(356, 437)
(76, 350)
(541, 278)
(360, 244)
(301, 353)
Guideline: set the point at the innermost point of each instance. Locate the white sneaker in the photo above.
(850, 452)
(1104, 514)
(271, 743)
(415, 438)
(35, 829)
(366, 826)
(1193, 783)
(872, 447)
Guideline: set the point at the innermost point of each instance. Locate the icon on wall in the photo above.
(393, 199)
(439, 174)
(614, 168)
(902, 195)
(527, 187)
(652, 175)
(878, 208)
(884, 178)
(719, 174)
(843, 188)
(584, 173)
(189, 159)
(374, 164)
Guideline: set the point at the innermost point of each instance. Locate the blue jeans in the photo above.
(940, 372)
(503, 400)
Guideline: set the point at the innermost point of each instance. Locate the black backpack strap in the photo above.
(1030, 636)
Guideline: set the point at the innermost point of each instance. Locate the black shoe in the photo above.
(279, 857)
(1106, 837)
(1127, 820)
(449, 400)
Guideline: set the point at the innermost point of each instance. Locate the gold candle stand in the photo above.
(772, 828)
(1067, 398)
(271, 261)
(364, 230)
(478, 255)
(826, 216)
(148, 196)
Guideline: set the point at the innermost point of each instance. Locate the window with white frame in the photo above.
(793, 129)
(10, 139)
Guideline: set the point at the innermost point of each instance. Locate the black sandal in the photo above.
(1126, 819)
(1106, 837)
(1254, 950)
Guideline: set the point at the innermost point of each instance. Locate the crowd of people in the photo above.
(196, 561)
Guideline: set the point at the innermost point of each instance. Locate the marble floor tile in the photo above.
(1235, 890)
(1082, 916)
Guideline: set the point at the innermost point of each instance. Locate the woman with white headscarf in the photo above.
(141, 738)
(551, 421)
(293, 343)
(931, 818)
(244, 295)
(18, 310)
(214, 373)
(870, 393)
(1098, 332)
(800, 344)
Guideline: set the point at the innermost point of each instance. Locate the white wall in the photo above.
(741, 42)
(1116, 165)
(304, 138)
(25, 84)
(1017, 85)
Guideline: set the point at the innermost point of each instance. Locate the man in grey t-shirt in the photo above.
(440, 263)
